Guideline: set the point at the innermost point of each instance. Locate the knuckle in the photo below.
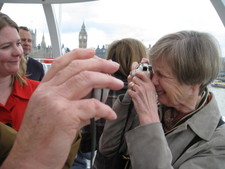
(84, 78)
(55, 63)
(95, 104)
(75, 64)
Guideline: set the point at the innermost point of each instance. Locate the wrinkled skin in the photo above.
(57, 110)
(163, 87)
(144, 96)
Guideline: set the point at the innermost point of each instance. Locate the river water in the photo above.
(220, 97)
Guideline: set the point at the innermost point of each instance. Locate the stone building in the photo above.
(100, 52)
(40, 50)
(83, 37)
(43, 51)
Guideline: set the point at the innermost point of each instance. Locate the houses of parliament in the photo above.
(43, 51)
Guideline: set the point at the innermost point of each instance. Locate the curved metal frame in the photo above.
(51, 19)
(219, 6)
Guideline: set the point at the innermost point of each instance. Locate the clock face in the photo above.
(83, 37)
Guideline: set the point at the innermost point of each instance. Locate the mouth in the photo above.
(14, 61)
(160, 92)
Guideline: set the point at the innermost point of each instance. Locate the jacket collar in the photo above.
(202, 122)
(205, 121)
(23, 92)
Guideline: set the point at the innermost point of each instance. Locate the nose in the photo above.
(17, 51)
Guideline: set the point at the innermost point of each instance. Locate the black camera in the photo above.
(144, 67)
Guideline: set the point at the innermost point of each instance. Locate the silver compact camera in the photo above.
(144, 67)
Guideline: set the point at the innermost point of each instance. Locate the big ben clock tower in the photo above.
(83, 37)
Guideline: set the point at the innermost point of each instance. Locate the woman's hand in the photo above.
(134, 66)
(143, 94)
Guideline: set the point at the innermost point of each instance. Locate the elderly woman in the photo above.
(175, 121)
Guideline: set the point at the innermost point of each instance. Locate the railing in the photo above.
(46, 62)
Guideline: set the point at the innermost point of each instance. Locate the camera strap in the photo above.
(93, 134)
(93, 141)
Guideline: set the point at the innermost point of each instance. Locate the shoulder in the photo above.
(6, 134)
(32, 83)
(34, 61)
(7, 137)
(216, 141)
(219, 135)
(26, 90)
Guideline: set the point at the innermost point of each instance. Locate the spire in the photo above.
(43, 44)
(83, 29)
(83, 26)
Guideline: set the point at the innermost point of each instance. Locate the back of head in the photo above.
(125, 52)
(194, 57)
(5, 21)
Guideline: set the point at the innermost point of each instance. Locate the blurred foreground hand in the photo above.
(58, 109)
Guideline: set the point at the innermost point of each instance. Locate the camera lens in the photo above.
(145, 68)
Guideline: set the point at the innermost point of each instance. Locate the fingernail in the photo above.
(115, 63)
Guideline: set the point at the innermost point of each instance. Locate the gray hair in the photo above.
(194, 57)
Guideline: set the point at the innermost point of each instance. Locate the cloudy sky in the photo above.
(109, 20)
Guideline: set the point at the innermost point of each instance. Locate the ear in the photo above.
(195, 88)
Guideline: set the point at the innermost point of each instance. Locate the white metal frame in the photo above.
(219, 6)
(50, 17)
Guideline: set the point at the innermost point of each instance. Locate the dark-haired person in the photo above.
(35, 70)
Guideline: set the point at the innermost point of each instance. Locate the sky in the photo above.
(109, 20)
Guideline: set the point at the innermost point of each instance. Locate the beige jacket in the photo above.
(8, 136)
(149, 148)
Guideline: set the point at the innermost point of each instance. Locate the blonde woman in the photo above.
(15, 88)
